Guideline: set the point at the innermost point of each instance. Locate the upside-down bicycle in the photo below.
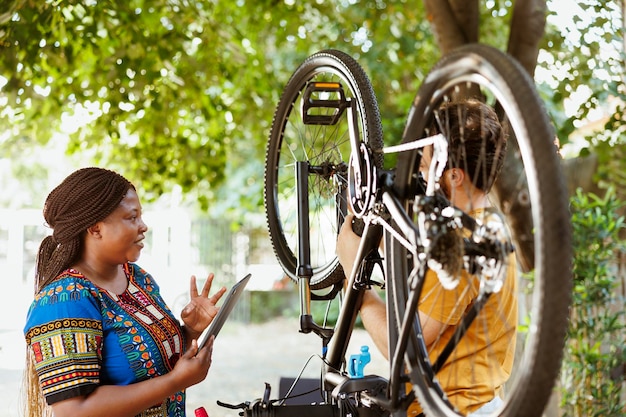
(326, 157)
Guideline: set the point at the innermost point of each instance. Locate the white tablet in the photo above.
(229, 303)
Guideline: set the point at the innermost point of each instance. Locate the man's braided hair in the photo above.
(84, 198)
(477, 140)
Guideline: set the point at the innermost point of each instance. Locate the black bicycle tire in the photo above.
(353, 74)
(552, 291)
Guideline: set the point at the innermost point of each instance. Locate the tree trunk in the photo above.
(454, 22)
(527, 28)
(579, 173)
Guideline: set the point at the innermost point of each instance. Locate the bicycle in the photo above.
(325, 156)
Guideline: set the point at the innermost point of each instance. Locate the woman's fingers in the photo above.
(192, 350)
(193, 287)
(206, 352)
(206, 288)
(216, 297)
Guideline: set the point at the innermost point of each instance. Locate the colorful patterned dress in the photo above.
(83, 336)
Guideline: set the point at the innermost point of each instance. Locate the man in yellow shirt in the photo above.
(474, 374)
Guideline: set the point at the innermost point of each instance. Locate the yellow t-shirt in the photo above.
(482, 361)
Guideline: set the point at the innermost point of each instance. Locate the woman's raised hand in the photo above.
(202, 309)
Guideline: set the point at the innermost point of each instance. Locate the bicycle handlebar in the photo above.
(258, 409)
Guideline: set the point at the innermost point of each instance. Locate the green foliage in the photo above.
(610, 148)
(182, 93)
(155, 80)
(584, 62)
(595, 344)
(266, 305)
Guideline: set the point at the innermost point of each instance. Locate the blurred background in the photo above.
(179, 96)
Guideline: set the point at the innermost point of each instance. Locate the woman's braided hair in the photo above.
(84, 198)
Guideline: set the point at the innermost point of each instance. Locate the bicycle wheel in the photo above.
(519, 301)
(312, 124)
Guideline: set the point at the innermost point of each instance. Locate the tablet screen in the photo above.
(227, 307)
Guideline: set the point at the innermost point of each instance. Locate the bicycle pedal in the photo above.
(323, 103)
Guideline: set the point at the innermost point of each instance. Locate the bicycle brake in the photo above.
(364, 280)
(260, 408)
(243, 406)
(358, 225)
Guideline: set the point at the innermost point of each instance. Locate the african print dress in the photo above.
(83, 336)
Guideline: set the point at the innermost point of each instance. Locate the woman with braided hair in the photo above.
(101, 341)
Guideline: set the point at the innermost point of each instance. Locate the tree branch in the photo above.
(7, 14)
(454, 22)
(527, 28)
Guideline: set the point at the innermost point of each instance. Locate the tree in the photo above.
(182, 93)
(526, 30)
(527, 23)
(157, 80)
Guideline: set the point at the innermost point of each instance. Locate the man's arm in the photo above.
(373, 309)
(374, 317)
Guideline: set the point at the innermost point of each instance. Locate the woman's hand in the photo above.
(130, 400)
(202, 309)
(194, 365)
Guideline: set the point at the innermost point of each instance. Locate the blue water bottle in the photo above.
(357, 362)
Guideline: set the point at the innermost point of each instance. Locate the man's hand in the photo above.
(347, 245)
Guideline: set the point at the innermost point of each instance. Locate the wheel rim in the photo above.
(325, 148)
(531, 336)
